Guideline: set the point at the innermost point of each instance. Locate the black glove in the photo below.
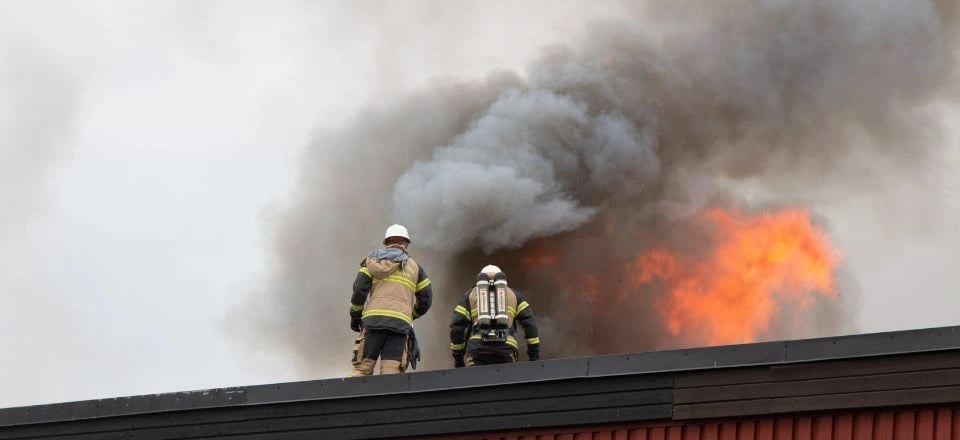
(533, 355)
(355, 324)
(458, 361)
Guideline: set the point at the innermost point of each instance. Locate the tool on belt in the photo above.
(413, 350)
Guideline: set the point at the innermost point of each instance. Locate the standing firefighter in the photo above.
(391, 290)
(484, 325)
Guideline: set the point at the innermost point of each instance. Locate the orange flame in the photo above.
(538, 257)
(733, 294)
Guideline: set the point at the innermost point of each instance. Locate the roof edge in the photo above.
(728, 356)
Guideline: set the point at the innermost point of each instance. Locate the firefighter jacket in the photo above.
(465, 336)
(390, 291)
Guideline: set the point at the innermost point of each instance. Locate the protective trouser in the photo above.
(388, 346)
(479, 358)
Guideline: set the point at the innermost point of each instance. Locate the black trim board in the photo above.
(547, 393)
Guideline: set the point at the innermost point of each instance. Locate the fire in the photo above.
(538, 257)
(722, 277)
(733, 293)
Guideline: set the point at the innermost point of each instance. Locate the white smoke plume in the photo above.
(606, 146)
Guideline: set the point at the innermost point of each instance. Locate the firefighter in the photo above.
(390, 291)
(475, 342)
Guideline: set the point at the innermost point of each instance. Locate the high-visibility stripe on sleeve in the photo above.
(533, 341)
(366, 272)
(523, 306)
(423, 284)
(356, 308)
(511, 311)
(458, 346)
(463, 311)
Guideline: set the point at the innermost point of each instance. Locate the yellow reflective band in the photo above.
(533, 341)
(423, 284)
(389, 313)
(457, 346)
(462, 310)
(475, 337)
(401, 280)
(366, 272)
(398, 279)
(511, 311)
(523, 306)
(356, 308)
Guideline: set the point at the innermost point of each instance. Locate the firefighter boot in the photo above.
(390, 367)
(364, 368)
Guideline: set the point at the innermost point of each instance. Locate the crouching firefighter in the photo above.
(390, 291)
(484, 325)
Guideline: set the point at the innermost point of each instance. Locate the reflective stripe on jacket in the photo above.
(389, 295)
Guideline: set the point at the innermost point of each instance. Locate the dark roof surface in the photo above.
(641, 386)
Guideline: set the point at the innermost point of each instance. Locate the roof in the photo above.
(880, 369)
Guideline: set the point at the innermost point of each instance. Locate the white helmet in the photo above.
(490, 269)
(396, 231)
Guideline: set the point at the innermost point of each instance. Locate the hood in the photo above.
(383, 262)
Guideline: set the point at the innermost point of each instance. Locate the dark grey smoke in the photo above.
(607, 147)
(338, 216)
(516, 172)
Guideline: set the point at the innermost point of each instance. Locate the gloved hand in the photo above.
(533, 355)
(355, 324)
(458, 361)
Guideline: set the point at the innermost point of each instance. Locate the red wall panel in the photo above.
(900, 424)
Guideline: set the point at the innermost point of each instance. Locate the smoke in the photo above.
(515, 173)
(339, 214)
(38, 97)
(606, 147)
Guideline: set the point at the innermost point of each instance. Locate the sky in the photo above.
(147, 147)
